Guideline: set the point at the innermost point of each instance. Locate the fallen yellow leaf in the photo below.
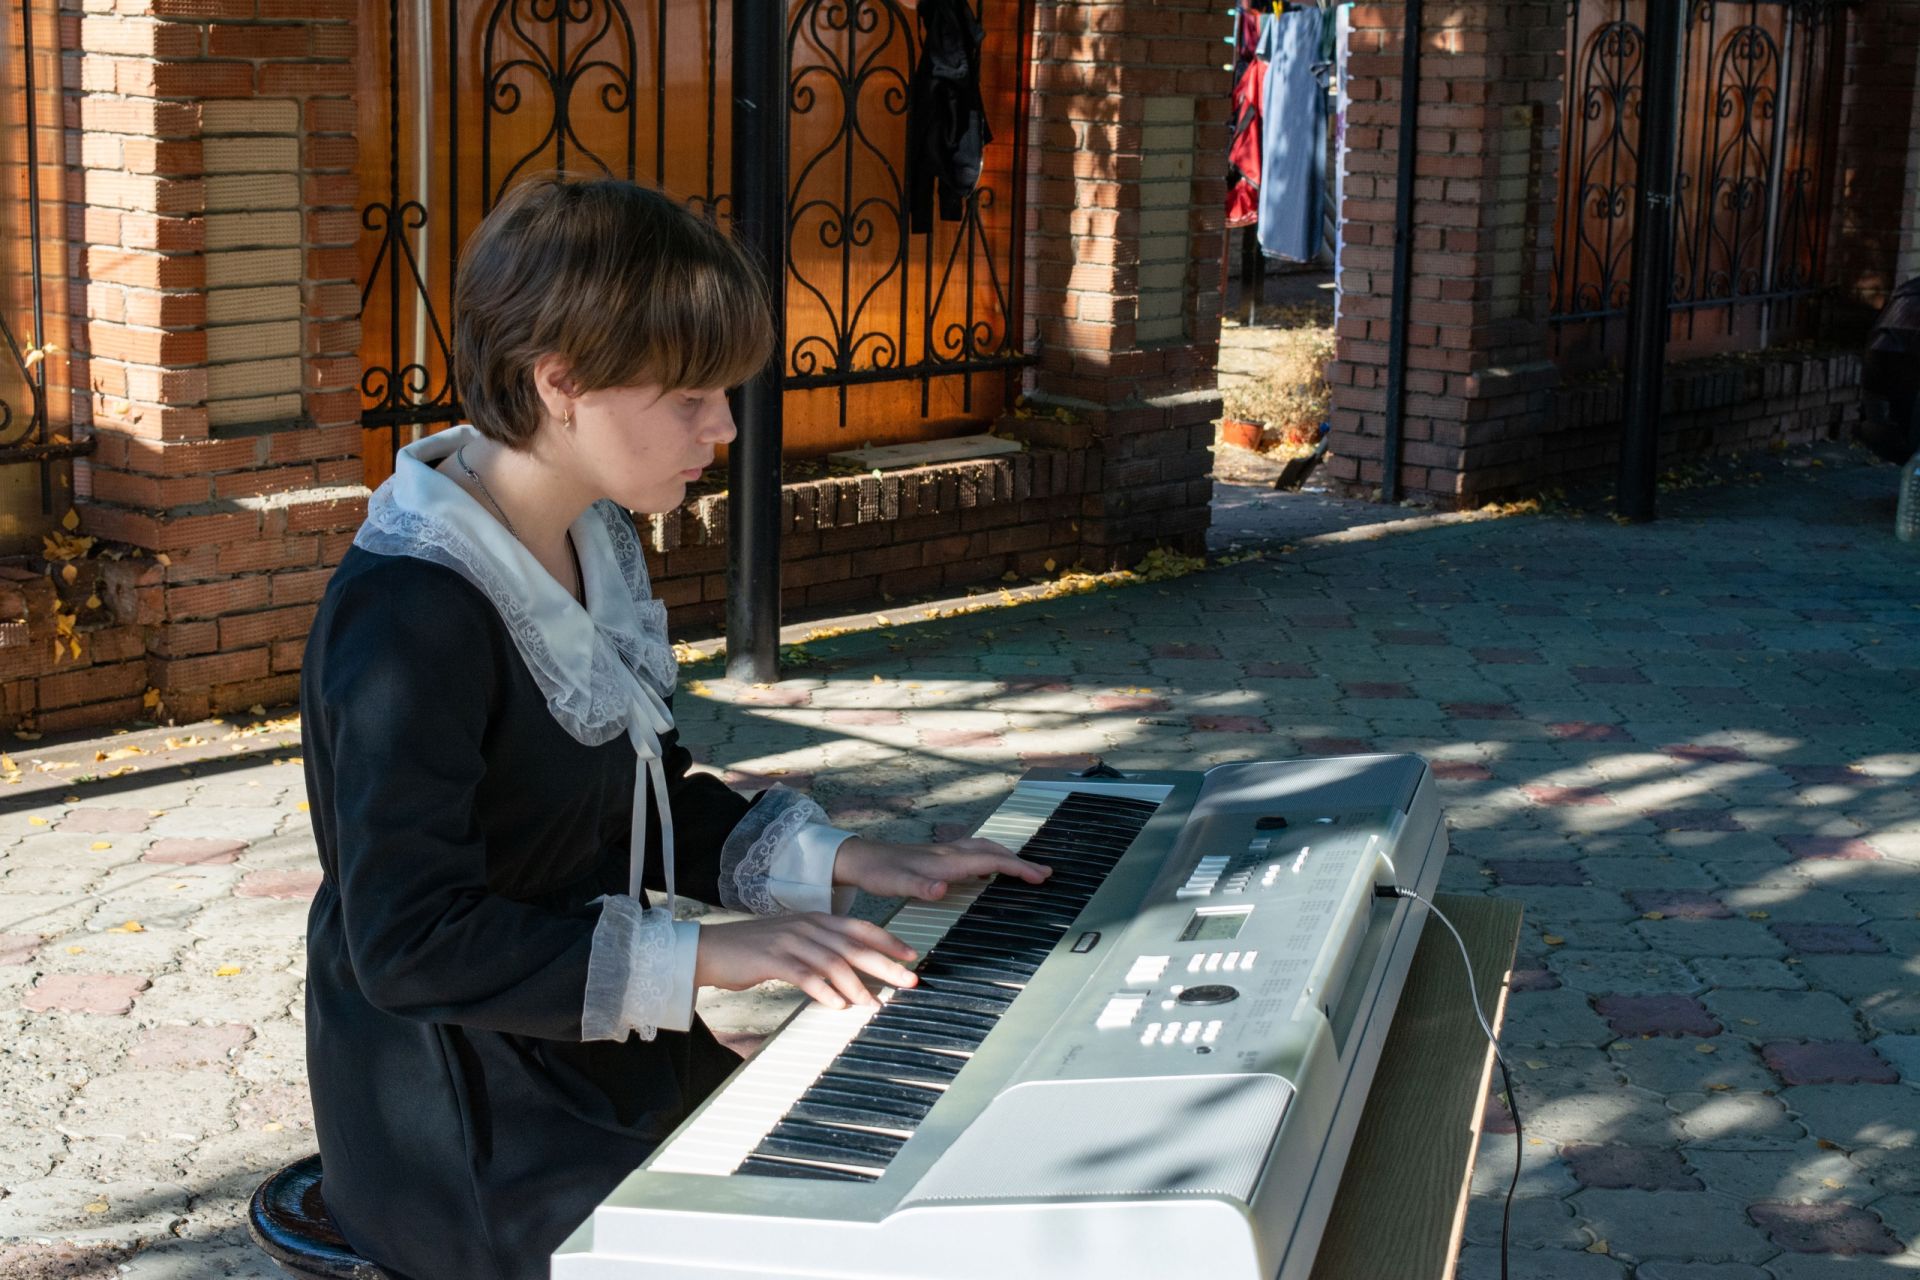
(101, 844)
(302, 806)
(94, 602)
(163, 558)
(1598, 1246)
(1553, 940)
(131, 926)
(94, 1206)
(7, 764)
(70, 521)
(76, 951)
(228, 970)
(1756, 915)
(272, 1126)
(1653, 915)
(37, 820)
(68, 574)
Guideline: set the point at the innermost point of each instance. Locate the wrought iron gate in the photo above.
(607, 87)
(1759, 111)
(35, 378)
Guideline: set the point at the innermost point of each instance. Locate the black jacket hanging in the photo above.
(946, 119)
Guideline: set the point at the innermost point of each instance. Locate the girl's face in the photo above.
(642, 447)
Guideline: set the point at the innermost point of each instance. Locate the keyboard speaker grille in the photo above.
(1167, 1135)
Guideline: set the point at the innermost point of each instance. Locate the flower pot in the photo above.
(1241, 433)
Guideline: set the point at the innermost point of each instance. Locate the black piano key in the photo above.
(1036, 915)
(881, 1035)
(934, 1019)
(821, 1111)
(940, 966)
(965, 1001)
(907, 1100)
(966, 982)
(764, 1168)
(1037, 910)
(891, 1062)
(1025, 960)
(985, 993)
(850, 1143)
(777, 1143)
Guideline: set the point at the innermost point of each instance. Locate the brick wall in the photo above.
(211, 171)
(1485, 412)
(871, 538)
(215, 214)
(1478, 379)
(1713, 408)
(1125, 235)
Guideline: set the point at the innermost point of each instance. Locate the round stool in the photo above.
(290, 1223)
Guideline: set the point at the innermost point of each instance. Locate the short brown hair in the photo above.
(625, 283)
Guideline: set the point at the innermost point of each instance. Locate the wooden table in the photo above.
(1402, 1202)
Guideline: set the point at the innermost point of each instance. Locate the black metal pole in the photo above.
(1406, 141)
(753, 462)
(1648, 322)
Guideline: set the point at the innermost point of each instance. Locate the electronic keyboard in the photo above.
(1150, 1065)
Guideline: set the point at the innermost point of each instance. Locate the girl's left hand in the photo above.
(925, 870)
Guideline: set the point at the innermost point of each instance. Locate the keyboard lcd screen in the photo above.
(1214, 926)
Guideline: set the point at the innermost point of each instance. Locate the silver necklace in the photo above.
(460, 456)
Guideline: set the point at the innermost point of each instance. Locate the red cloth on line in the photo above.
(1243, 152)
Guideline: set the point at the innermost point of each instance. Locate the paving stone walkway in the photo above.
(1689, 748)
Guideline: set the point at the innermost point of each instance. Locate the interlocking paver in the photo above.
(1690, 1226)
(1827, 1062)
(1857, 1115)
(1824, 1228)
(1683, 762)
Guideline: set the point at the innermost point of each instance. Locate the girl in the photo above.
(500, 1003)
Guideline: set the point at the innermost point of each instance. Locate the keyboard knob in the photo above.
(1211, 993)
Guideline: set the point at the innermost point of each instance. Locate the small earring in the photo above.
(568, 420)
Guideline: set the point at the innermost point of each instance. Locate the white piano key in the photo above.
(727, 1131)
(765, 1088)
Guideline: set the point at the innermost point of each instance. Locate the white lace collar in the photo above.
(605, 667)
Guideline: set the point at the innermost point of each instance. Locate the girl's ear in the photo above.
(553, 381)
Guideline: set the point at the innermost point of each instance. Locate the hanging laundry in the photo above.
(946, 119)
(1294, 134)
(1249, 95)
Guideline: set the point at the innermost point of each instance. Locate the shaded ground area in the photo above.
(1689, 748)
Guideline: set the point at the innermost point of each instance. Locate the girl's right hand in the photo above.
(821, 954)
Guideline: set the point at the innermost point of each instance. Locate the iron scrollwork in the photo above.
(853, 58)
(403, 391)
(1753, 179)
(558, 45)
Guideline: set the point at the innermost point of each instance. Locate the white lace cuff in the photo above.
(780, 857)
(639, 972)
(800, 877)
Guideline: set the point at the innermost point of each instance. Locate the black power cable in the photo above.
(1513, 1103)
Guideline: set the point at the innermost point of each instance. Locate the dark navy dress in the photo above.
(464, 1127)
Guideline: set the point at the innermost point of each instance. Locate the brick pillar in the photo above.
(1877, 228)
(1125, 236)
(1479, 381)
(214, 314)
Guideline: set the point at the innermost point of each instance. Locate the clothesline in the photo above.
(1287, 63)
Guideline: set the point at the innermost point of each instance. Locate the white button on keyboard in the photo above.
(1146, 970)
